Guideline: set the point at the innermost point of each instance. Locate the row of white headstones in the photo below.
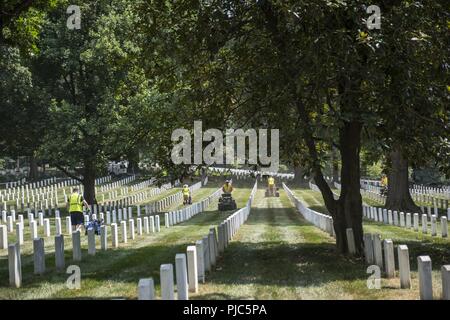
(375, 185)
(191, 267)
(408, 220)
(425, 195)
(129, 200)
(320, 220)
(249, 173)
(9, 220)
(44, 187)
(11, 185)
(443, 191)
(148, 225)
(374, 194)
(402, 220)
(436, 202)
(373, 245)
(48, 196)
(375, 249)
(157, 206)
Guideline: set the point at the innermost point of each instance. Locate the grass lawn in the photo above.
(116, 272)
(418, 243)
(275, 255)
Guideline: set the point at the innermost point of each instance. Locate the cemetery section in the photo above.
(103, 274)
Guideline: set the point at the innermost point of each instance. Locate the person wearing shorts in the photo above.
(75, 203)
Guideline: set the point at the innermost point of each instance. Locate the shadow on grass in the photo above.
(438, 252)
(218, 296)
(277, 263)
(274, 217)
(288, 265)
(118, 265)
(310, 261)
(437, 248)
(320, 209)
(268, 262)
(125, 264)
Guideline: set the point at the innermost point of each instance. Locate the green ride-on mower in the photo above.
(272, 192)
(187, 200)
(226, 202)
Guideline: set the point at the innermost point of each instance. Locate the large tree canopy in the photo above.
(23, 105)
(100, 98)
(137, 70)
(314, 70)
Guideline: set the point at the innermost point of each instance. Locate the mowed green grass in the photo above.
(113, 273)
(418, 243)
(27, 247)
(387, 231)
(197, 195)
(275, 255)
(278, 255)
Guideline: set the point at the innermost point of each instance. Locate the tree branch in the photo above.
(67, 173)
(18, 9)
(280, 42)
(320, 181)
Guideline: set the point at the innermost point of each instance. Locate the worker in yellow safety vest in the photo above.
(186, 194)
(384, 185)
(227, 187)
(75, 204)
(271, 184)
(384, 181)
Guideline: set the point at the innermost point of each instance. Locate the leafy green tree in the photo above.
(96, 90)
(310, 67)
(21, 20)
(411, 92)
(23, 105)
(23, 108)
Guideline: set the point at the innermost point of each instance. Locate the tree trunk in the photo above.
(203, 171)
(89, 181)
(398, 196)
(133, 163)
(348, 211)
(131, 167)
(334, 165)
(299, 175)
(2, 38)
(33, 174)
